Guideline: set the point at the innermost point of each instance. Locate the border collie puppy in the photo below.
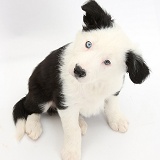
(80, 79)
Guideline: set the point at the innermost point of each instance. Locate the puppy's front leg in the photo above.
(116, 119)
(72, 134)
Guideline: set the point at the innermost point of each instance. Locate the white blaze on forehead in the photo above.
(111, 40)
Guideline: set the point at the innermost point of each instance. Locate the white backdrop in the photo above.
(30, 29)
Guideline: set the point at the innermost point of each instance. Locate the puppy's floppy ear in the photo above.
(136, 67)
(96, 17)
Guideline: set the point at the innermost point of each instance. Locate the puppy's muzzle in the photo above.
(79, 72)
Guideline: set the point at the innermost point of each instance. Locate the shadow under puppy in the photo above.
(81, 79)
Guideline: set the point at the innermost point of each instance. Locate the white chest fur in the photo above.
(88, 98)
(91, 99)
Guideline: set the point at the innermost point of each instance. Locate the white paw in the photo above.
(118, 123)
(33, 126)
(70, 155)
(83, 125)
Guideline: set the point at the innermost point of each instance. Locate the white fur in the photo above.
(33, 126)
(72, 134)
(88, 95)
(20, 129)
(116, 119)
(83, 125)
(46, 106)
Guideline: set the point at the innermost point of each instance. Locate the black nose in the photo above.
(79, 72)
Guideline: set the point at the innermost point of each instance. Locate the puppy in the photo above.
(80, 79)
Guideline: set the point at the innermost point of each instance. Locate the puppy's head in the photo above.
(101, 51)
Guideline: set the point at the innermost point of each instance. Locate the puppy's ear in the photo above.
(96, 17)
(136, 67)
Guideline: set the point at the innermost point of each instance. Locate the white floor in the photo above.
(30, 30)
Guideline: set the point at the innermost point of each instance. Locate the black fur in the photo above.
(52, 111)
(96, 17)
(117, 93)
(136, 67)
(19, 111)
(44, 85)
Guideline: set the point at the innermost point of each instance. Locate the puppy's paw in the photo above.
(118, 123)
(70, 155)
(83, 126)
(33, 126)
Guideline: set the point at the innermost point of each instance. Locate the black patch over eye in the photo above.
(88, 44)
(107, 62)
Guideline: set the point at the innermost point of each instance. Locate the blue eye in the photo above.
(107, 62)
(88, 44)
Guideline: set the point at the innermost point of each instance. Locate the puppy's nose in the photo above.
(79, 72)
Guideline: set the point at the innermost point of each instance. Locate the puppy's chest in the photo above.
(96, 91)
(94, 97)
(89, 98)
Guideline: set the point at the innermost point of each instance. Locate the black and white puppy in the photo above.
(80, 79)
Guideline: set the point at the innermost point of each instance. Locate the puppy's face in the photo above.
(100, 54)
(102, 51)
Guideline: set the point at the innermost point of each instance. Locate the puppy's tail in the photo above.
(19, 117)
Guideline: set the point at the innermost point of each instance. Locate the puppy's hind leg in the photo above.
(83, 125)
(33, 126)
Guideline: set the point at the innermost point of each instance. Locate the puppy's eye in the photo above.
(88, 44)
(107, 62)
